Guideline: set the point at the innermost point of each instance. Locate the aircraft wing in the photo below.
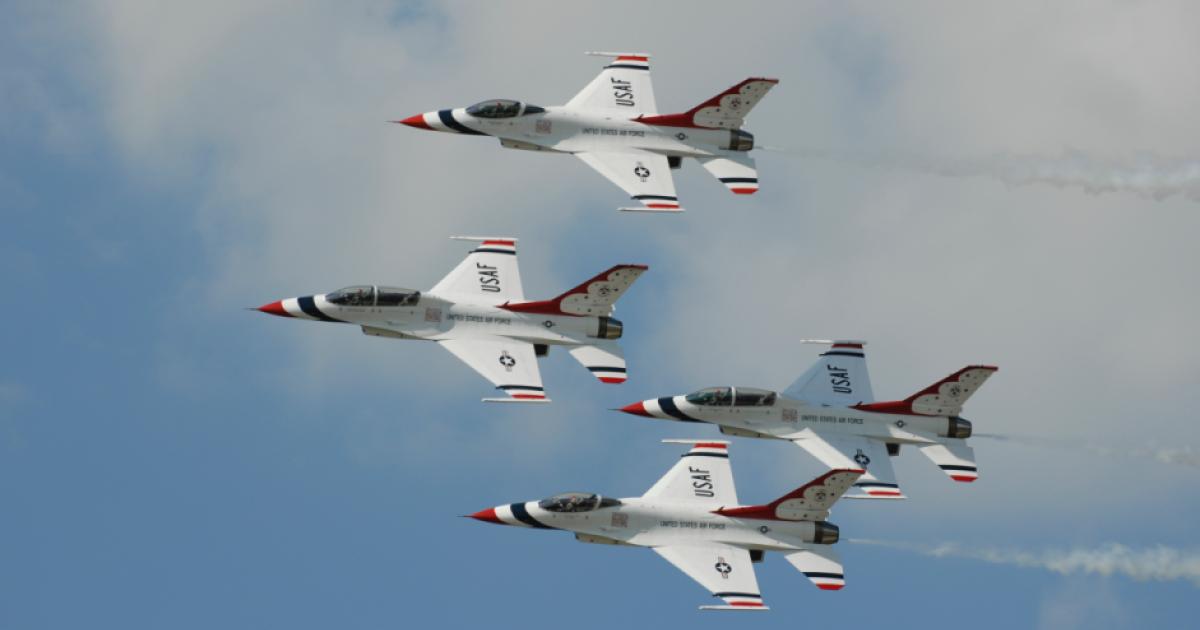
(622, 87)
(725, 571)
(509, 364)
(838, 378)
(820, 564)
(853, 451)
(490, 271)
(644, 175)
(701, 475)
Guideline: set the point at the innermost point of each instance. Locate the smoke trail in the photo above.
(1147, 176)
(1173, 455)
(1159, 563)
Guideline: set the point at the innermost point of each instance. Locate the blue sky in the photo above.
(170, 459)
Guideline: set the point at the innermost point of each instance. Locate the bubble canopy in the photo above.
(569, 502)
(369, 295)
(732, 396)
(502, 108)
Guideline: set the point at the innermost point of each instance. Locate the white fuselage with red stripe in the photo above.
(645, 523)
(436, 318)
(787, 418)
(569, 130)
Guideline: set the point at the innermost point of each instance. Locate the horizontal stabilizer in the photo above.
(820, 564)
(955, 457)
(810, 502)
(516, 400)
(944, 398)
(604, 360)
(595, 297)
(726, 110)
(735, 170)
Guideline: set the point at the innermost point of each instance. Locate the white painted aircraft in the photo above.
(831, 413)
(613, 125)
(692, 518)
(479, 313)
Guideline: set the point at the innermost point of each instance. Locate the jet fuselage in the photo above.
(568, 130)
(644, 523)
(785, 418)
(434, 318)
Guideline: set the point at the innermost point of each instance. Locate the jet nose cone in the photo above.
(417, 121)
(638, 409)
(487, 516)
(275, 308)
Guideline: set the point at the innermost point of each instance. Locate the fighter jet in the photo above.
(691, 517)
(613, 125)
(831, 413)
(479, 313)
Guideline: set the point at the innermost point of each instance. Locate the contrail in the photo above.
(1147, 176)
(1158, 563)
(1174, 455)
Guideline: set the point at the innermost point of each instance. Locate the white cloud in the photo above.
(273, 115)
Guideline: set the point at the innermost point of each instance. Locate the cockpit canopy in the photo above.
(502, 108)
(367, 295)
(732, 396)
(576, 502)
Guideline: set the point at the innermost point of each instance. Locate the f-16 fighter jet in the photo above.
(830, 412)
(692, 518)
(479, 313)
(613, 125)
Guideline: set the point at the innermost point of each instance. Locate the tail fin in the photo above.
(596, 297)
(701, 475)
(810, 502)
(726, 110)
(944, 398)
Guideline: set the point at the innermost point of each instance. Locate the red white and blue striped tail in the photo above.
(604, 360)
(821, 565)
(955, 457)
(736, 171)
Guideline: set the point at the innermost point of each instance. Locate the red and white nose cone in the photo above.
(275, 308)
(417, 121)
(638, 408)
(487, 516)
